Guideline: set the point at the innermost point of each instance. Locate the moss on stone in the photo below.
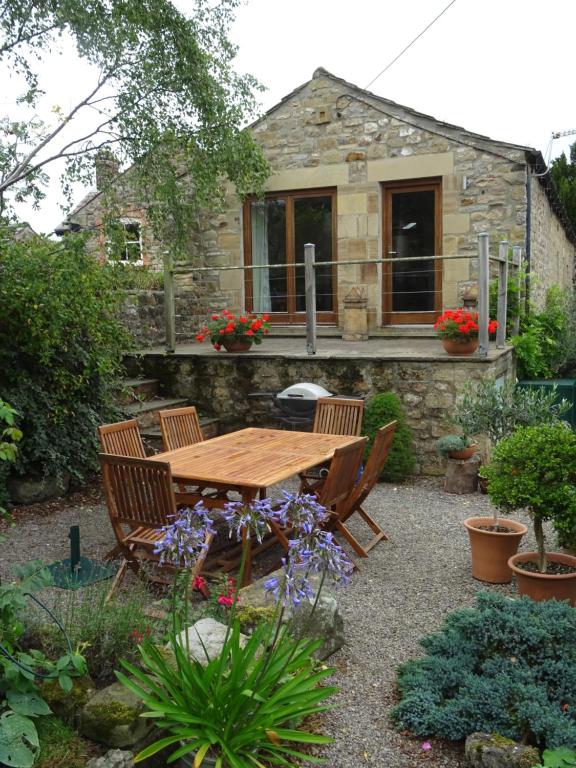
(109, 714)
(501, 741)
(251, 617)
(66, 704)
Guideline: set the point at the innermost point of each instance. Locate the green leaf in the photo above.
(18, 741)
(65, 682)
(30, 704)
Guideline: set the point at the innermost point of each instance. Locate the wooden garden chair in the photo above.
(333, 416)
(122, 439)
(141, 499)
(180, 427)
(336, 487)
(353, 504)
(338, 416)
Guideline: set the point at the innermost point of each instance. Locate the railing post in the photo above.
(310, 290)
(502, 314)
(169, 312)
(483, 279)
(519, 277)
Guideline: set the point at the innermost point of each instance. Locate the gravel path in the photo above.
(402, 592)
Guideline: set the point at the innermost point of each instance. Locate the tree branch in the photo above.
(23, 168)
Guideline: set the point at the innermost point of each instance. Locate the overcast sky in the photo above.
(503, 68)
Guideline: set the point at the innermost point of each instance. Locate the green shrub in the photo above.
(545, 339)
(61, 347)
(448, 443)
(380, 410)
(504, 666)
(534, 469)
(106, 632)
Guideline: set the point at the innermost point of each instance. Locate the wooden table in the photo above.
(250, 461)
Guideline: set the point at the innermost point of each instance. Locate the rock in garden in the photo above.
(490, 750)
(114, 758)
(206, 639)
(462, 476)
(325, 624)
(68, 704)
(32, 490)
(112, 717)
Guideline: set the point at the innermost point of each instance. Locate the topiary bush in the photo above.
(380, 410)
(503, 666)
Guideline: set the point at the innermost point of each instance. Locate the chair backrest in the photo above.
(374, 465)
(138, 490)
(338, 416)
(180, 427)
(122, 439)
(342, 474)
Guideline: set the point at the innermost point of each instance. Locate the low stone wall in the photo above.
(143, 314)
(220, 385)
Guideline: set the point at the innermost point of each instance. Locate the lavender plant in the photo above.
(240, 707)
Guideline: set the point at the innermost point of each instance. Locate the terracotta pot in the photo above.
(237, 345)
(465, 453)
(545, 586)
(491, 550)
(467, 347)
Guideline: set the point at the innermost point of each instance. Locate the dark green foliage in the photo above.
(380, 410)
(504, 666)
(545, 341)
(535, 469)
(564, 176)
(61, 346)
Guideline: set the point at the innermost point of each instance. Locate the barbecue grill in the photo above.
(295, 406)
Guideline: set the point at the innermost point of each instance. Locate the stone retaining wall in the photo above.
(220, 385)
(143, 315)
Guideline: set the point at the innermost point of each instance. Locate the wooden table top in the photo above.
(252, 458)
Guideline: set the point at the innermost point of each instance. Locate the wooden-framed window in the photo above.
(412, 226)
(275, 232)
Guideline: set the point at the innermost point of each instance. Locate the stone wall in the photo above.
(143, 315)
(551, 253)
(220, 386)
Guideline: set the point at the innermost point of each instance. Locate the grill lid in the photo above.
(303, 391)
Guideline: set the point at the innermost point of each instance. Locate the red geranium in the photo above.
(225, 327)
(460, 325)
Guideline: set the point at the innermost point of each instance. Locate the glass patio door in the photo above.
(276, 230)
(412, 290)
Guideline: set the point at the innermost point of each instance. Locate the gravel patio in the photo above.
(402, 592)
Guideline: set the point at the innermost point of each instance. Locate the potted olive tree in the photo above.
(495, 409)
(534, 469)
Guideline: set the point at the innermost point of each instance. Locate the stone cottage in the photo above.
(364, 178)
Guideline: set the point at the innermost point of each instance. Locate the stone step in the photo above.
(137, 390)
(146, 412)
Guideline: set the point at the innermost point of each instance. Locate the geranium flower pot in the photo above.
(545, 586)
(237, 345)
(464, 347)
(492, 550)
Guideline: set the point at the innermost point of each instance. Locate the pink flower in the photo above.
(426, 746)
(226, 601)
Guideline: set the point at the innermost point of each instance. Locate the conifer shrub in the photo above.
(504, 666)
(380, 410)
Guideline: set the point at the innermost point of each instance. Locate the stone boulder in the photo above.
(206, 639)
(114, 758)
(325, 624)
(490, 750)
(112, 717)
(68, 704)
(33, 490)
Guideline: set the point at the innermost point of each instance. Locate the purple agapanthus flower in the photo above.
(184, 540)
(315, 553)
(301, 512)
(253, 517)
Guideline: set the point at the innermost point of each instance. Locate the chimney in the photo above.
(107, 168)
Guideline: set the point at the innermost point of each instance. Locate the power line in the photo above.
(410, 44)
